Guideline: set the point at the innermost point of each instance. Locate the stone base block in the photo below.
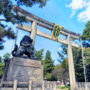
(23, 70)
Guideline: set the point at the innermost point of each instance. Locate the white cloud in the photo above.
(73, 13)
(77, 4)
(83, 5)
(85, 15)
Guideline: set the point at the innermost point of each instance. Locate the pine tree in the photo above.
(48, 65)
(7, 11)
(39, 55)
(77, 56)
(5, 33)
(6, 8)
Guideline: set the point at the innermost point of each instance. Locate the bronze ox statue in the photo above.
(26, 48)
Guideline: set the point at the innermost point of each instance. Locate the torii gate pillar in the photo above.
(71, 65)
(33, 32)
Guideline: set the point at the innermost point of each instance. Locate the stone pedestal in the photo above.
(23, 70)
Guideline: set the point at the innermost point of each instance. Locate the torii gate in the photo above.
(34, 31)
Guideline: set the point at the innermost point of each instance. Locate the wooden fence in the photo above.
(83, 86)
(31, 85)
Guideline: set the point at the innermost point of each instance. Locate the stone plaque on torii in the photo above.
(34, 31)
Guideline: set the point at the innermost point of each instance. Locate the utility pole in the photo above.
(84, 67)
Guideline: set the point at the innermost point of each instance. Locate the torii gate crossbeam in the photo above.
(45, 35)
(34, 31)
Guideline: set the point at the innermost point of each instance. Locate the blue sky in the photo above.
(65, 13)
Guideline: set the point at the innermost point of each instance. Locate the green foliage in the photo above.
(87, 62)
(86, 33)
(39, 55)
(79, 65)
(6, 8)
(1, 69)
(60, 71)
(62, 53)
(87, 56)
(5, 32)
(0, 59)
(63, 87)
(86, 39)
(48, 65)
(56, 31)
(32, 2)
(7, 55)
(57, 72)
(48, 76)
(86, 36)
(7, 11)
(77, 55)
(88, 72)
(1, 46)
(48, 62)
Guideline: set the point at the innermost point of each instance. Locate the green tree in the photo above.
(5, 33)
(6, 55)
(39, 55)
(86, 40)
(77, 56)
(86, 35)
(6, 8)
(63, 53)
(1, 69)
(0, 59)
(61, 71)
(57, 72)
(63, 74)
(79, 71)
(87, 62)
(48, 65)
(86, 32)
(7, 11)
(87, 56)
